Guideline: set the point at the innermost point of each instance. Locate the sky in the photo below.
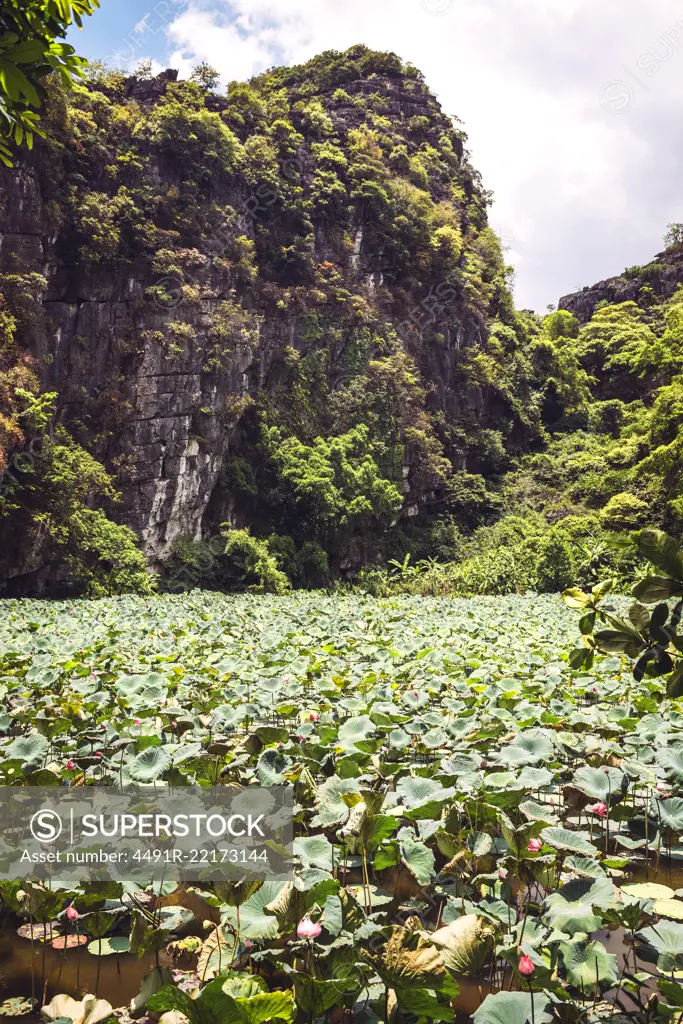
(572, 107)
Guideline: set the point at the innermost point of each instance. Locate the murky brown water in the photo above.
(74, 972)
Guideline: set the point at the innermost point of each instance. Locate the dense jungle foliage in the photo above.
(399, 423)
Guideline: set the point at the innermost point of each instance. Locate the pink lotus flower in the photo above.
(600, 809)
(605, 769)
(502, 875)
(526, 966)
(72, 914)
(662, 787)
(138, 721)
(70, 766)
(534, 845)
(415, 693)
(98, 753)
(308, 929)
(174, 725)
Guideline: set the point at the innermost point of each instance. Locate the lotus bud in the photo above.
(70, 766)
(526, 966)
(308, 929)
(534, 845)
(72, 914)
(600, 809)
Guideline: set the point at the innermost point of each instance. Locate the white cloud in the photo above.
(564, 112)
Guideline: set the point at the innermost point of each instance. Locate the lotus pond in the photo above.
(481, 828)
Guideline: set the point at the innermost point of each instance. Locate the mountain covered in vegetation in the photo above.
(267, 339)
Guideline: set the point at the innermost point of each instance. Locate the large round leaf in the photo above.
(255, 923)
(663, 943)
(150, 765)
(422, 798)
(570, 909)
(106, 947)
(671, 760)
(648, 891)
(419, 859)
(572, 842)
(586, 963)
(670, 813)
(603, 784)
(527, 748)
(270, 766)
(29, 749)
(355, 730)
(316, 851)
(514, 1008)
(334, 801)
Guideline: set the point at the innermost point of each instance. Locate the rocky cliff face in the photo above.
(198, 266)
(655, 281)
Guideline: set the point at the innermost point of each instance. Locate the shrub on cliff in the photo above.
(47, 513)
(194, 139)
(335, 482)
(249, 564)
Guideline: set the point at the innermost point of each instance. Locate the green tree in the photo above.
(205, 76)
(674, 235)
(250, 565)
(30, 31)
(336, 482)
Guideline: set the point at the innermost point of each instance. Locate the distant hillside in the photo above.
(278, 320)
(652, 283)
